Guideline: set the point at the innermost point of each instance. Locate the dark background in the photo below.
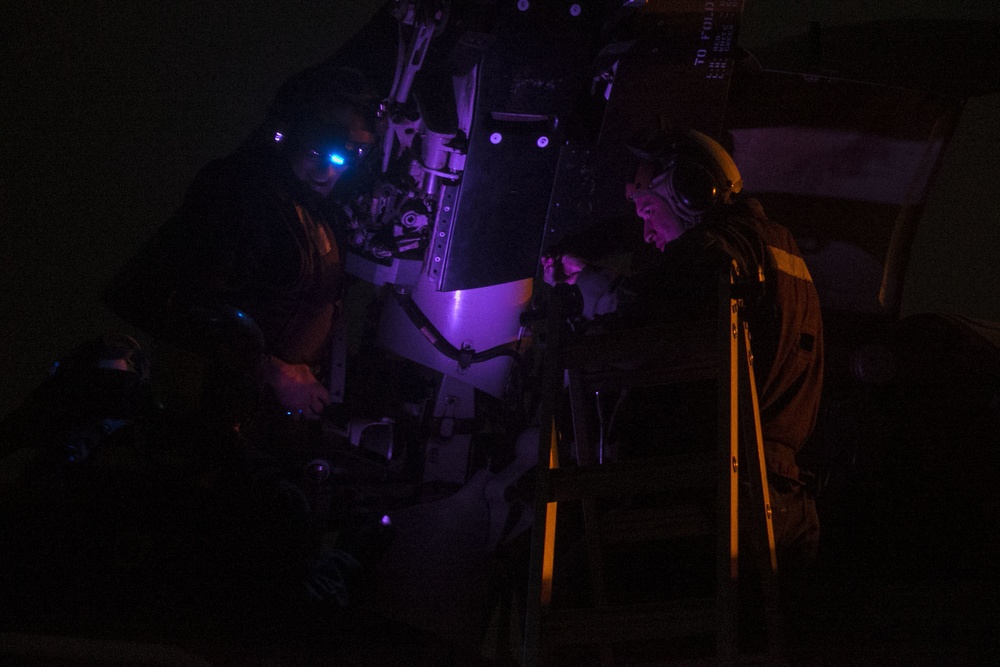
(110, 107)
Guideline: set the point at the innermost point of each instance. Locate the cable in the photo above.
(464, 357)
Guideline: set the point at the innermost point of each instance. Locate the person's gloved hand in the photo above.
(296, 388)
(564, 268)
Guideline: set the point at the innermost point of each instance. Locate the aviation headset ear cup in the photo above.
(694, 186)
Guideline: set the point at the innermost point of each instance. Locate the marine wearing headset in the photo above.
(255, 233)
(687, 192)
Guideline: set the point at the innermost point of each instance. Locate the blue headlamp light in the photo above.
(345, 155)
(338, 152)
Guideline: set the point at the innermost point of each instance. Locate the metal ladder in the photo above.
(661, 355)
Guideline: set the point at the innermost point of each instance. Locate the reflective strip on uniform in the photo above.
(791, 264)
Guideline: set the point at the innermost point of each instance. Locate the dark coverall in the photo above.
(251, 236)
(784, 317)
(248, 235)
(787, 338)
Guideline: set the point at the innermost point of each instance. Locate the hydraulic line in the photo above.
(464, 357)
